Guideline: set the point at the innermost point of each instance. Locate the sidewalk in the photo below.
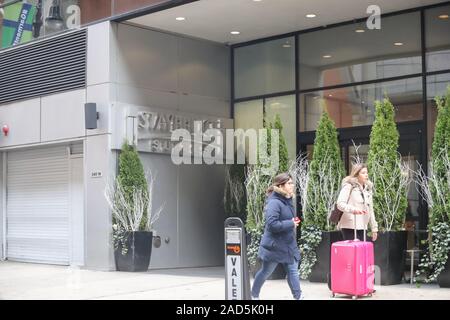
(34, 281)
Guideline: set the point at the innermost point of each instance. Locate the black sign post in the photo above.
(237, 277)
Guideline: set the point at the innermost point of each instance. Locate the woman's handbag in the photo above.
(336, 214)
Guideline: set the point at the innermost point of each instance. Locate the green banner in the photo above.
(17, 24)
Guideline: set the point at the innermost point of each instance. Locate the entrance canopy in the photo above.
(214, 20)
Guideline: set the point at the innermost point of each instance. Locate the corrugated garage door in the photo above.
(38, 205)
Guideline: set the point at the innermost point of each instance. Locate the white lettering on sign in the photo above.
(155, 129)
(234, 277)
(233, 263)
(96, 174)
(233, 236)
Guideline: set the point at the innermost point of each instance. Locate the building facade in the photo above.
(124, 57)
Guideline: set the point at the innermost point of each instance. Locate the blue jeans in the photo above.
(268, 267)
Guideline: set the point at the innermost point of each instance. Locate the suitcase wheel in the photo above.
(354, 297)
(333, 295)
(370, 294)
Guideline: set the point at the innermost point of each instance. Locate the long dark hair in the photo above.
(279, 180)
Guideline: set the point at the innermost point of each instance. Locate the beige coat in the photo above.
(356, 201)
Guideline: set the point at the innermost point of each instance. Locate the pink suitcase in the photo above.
(352, 268)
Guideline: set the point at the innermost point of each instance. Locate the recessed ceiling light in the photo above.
(180, 18)
(398, 43)
(360, 30)
(286, 45)
(235, 32)
(311, 15)
(330, 95)
(327, 56)
(443, 16)
(257, 0)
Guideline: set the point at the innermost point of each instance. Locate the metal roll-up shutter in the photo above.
(38, 205)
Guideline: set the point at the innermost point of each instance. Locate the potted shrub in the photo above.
(130, 200)
(324, 177)
(435, 189)
(391, 179)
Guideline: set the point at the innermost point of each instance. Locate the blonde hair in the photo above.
(353, 177)
(356, 169)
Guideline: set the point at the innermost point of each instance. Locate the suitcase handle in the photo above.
(356, 238)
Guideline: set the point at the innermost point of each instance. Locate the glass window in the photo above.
(437, 24)
(285, 108)
(410, 151)
(353, 53)
(265, 68)
(248, 115)
(436, 86)
(355, 106)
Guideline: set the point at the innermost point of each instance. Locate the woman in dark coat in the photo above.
(278, 243)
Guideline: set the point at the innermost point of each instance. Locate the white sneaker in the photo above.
(255, 298)
(302, 297)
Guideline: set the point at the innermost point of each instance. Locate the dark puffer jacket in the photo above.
(278, 243)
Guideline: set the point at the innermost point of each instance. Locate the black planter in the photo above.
(321, 269)
(278, 273)
(137, 258)
(390, 255)
(444, 277)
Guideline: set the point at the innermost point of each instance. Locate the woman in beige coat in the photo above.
(355, 201)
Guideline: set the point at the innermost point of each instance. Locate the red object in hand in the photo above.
(5, 130)
(297, 219)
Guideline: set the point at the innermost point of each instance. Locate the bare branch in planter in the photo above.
(325, 190)
(391, 190)
(256, 185)
(234, 195)
(299, 172)
(357, 159)
(138, 205)
(152, 215)
(435, 189)
(422, 182)
(120, 208)
(128, 214)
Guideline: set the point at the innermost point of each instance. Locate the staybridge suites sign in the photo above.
(191, 138)
(155, 128)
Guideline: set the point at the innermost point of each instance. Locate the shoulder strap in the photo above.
(350, 193)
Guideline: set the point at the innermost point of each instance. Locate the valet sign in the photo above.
(234, 264)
